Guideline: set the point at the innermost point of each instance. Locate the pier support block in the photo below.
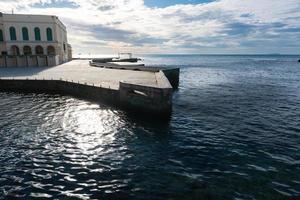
(152, 100)
(173, 76)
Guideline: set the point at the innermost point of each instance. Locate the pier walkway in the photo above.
(80, 71)
(142, 91)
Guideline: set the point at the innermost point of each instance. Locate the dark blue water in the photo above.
(234, 134)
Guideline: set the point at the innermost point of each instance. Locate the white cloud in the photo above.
(116, 25)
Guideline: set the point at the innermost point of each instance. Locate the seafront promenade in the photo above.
(144, 91)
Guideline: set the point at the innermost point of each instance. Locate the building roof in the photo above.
(27, 18)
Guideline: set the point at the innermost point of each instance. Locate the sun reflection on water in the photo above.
(91, 127)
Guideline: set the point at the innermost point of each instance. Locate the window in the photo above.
(15, 50)
(27, 50)
(49, 34)
(1, 36)
(64, 47)
(25, 33)
(39, 50)
(50, 50)
(37, 34)
(12, 32)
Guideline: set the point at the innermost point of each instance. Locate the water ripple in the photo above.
(234, 134)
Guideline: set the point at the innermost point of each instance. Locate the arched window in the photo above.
(25, 33)
(12, 32)
(39, 50)
(50, 50)
(1, 36)
(49, 34)
(27, 50)
(15, 50)
(37, 34)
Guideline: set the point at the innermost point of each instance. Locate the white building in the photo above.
(34, 35)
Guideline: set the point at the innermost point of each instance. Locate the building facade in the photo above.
(39, 35)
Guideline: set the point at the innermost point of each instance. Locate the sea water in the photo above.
(234, 134)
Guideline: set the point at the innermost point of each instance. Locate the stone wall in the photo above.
(61, 87)
(144, 99)
(28, 61)
(152, 100)
(173, 76)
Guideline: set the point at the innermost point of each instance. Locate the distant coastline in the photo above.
(177, 54)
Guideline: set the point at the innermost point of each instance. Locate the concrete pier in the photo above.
(172, 74)
(144, 91)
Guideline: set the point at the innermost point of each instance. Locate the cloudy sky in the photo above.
(173, 26)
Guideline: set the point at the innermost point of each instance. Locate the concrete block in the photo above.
(173, 76)
(157, 101)
(32, 61)
(21, 61)
(2, 61)
(42, 61)
(53, 60)
(11, 61)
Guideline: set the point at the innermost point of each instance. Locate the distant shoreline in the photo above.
(165, 54)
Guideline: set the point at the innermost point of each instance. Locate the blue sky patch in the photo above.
(56, 4)
(166, 3)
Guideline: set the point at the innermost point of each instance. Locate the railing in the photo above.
(101, 85)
